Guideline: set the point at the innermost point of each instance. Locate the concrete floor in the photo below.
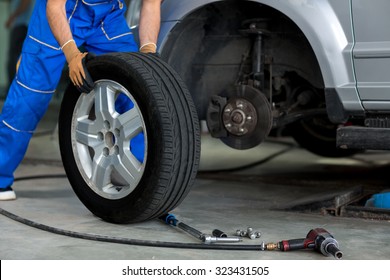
(228, 200)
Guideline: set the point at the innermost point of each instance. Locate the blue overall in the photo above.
(98, 25)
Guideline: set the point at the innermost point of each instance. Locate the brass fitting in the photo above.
(271, 246)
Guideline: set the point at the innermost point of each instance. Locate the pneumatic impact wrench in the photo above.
(318, 239)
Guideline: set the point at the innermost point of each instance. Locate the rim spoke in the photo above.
(87, 134)
(104, 101)
(131, 123)
(129, 169)
(101, 172)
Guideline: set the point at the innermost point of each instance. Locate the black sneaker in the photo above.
(7, 194)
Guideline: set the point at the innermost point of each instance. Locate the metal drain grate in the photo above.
(348, 203)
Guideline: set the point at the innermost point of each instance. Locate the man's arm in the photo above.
(149, 25)
(58, 22)
(56, 16)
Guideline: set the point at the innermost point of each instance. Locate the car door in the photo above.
(371, 52)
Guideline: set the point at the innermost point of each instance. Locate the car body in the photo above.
(320, 64)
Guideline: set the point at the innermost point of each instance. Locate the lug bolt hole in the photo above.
(106, 152)
(106, 125)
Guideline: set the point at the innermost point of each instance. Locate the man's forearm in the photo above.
(56, 16)
(149, 25)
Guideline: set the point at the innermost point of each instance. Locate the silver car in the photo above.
(313, 69)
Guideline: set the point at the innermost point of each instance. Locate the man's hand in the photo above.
(148, 48)
(78, 72)
(87, 84)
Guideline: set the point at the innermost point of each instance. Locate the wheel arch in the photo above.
(331, 43)
(326, 25)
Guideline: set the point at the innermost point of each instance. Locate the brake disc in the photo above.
(247, 117)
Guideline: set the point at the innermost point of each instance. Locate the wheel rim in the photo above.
(109, 140)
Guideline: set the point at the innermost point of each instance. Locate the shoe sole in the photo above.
(9, 195)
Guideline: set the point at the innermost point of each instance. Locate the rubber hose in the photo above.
(118, 240)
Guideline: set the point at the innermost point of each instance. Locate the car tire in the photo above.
(318, 136)
(96, 138)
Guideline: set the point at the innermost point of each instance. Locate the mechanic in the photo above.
(57, 28)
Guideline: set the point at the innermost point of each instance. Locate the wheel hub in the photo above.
(247, 117)
(239, 116)
(109, 139)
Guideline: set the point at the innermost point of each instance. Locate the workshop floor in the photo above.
(227, 200)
